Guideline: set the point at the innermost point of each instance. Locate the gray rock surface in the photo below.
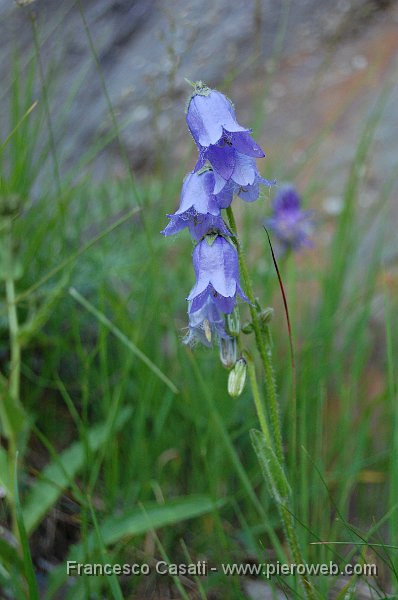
(144, 49)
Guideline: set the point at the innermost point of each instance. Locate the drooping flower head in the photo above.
(216, 267)
(221, 140)
(226, 167)
(209, 115)
(291, 225)
(199, 208)
(243, 176)
(206, 324)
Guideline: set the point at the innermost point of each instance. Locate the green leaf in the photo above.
(155, 516)
(58, 474)
(4, 473)
(26, 555)
(12, 416)
(137, 522)
(9, 555)
(272, 469)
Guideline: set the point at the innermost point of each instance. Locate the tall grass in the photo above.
(129, 448)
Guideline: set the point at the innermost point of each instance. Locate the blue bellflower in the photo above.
(199, 208)
(226, 167)
(209, 115)
(222, 141)
(291, 225)
(206, 324)
(243, 176)
(216, 268)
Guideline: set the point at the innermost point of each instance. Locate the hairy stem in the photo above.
(251, 370)
(262, 345)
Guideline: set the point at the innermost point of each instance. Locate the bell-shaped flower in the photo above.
(216, 267)
(206, 324)
(233, 168)
(248, 193)
(199, 208)
(291, 225)
(211, 120)
(209, 115)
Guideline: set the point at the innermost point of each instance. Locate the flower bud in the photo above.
(228, 352)
(232, 322)
(266, 315)
(237, 378)
(248, 327)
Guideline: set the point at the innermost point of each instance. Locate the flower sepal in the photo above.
(232, 323)
(211, 238)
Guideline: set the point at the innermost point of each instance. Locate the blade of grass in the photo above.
(22, 119)
(27, 557)
(62, 470)
(112, 580)
(70, 259)
(123, 338)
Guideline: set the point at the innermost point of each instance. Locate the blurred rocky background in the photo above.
(322, 56)
(307, 74)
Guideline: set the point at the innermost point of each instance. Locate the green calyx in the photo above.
(211, 238)
(199, 89)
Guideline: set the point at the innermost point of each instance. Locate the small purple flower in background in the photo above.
(216, 268)
(291, 225)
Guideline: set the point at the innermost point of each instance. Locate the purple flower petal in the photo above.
(291, 225)
(176, 224)
(222, 159)
(250, 193)
(216, 264)
(244, 143)
(224, 198)
(197, 193)
(242, 294)
(207, 117)
(226, 304)
(203, 224)
(217, 275)
(206, 323)
(219, 183)
(245, 170)
(286, 199)
(199, 225)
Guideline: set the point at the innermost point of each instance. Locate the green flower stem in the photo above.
(251, 371)
(284, 512)
(289, 526)
(15, 370)
(262, 345)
